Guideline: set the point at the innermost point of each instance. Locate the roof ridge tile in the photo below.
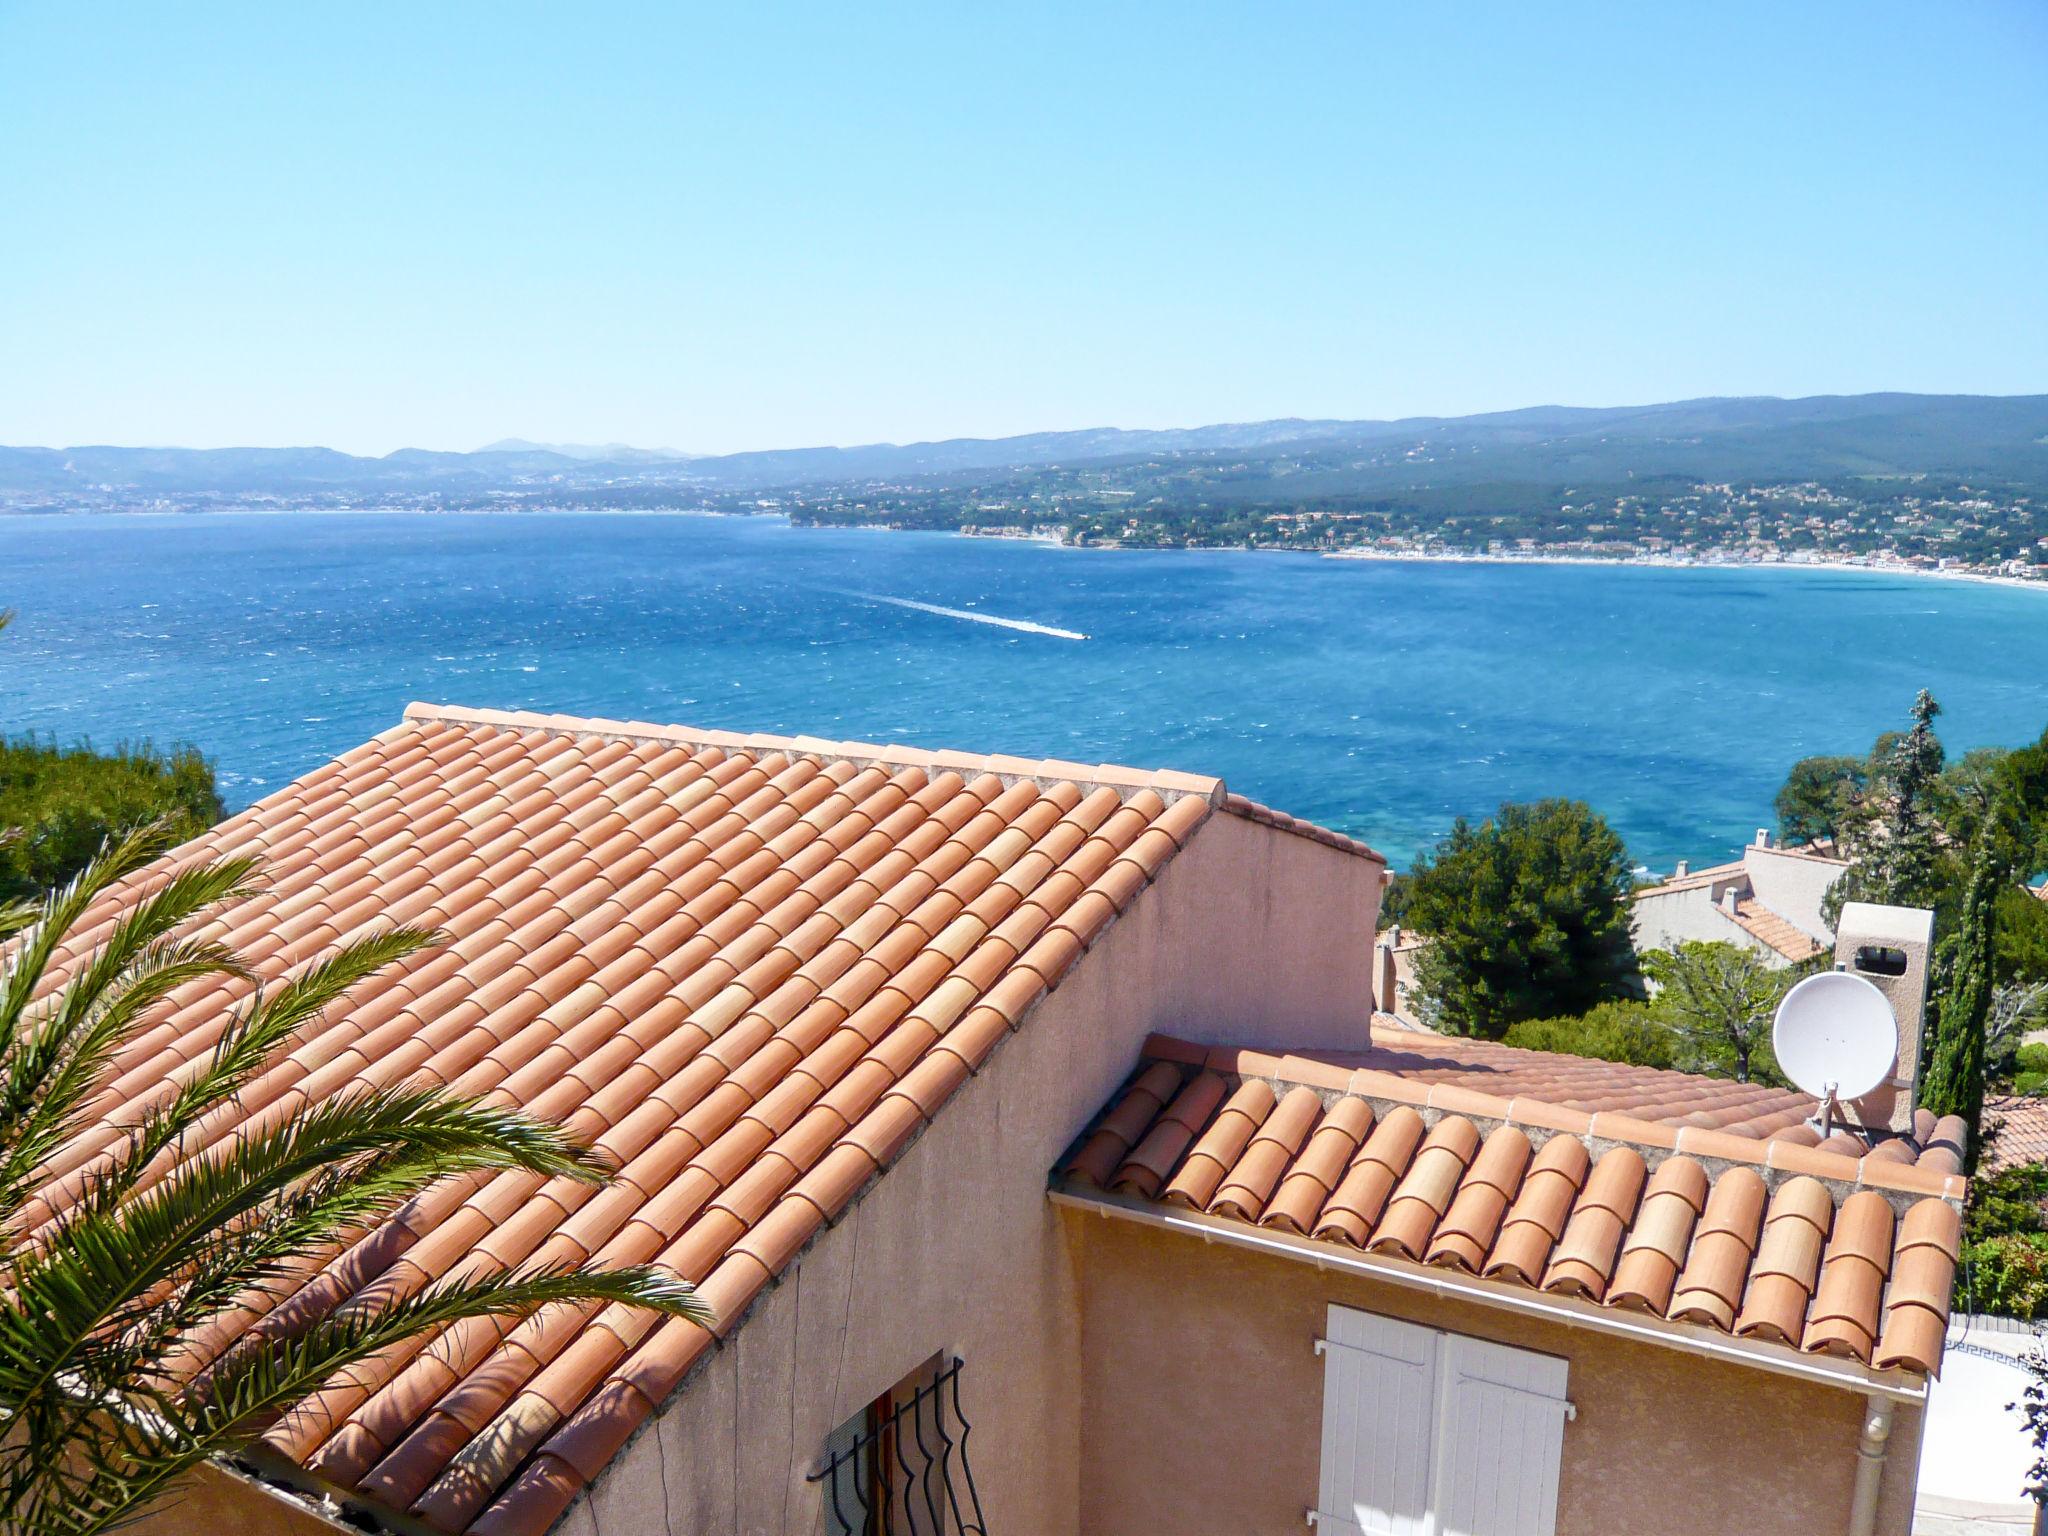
(1168, 782)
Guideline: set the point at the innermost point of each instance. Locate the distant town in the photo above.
(1946, 528)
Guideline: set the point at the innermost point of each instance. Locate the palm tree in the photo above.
(101, 1410)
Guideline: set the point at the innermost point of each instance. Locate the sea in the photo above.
(1385, 699)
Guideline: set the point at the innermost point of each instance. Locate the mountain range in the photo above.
(1999, 439)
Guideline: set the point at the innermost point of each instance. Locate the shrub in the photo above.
(63, 801)
(2005, 1276)
(2014, 1200)
(1620, 1031)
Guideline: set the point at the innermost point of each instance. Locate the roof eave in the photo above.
(1900, 1384)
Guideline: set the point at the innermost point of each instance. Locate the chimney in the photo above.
(1891, 948)
(1729, 898)
(1680, 872)
(1383, 979)
(1763, 837)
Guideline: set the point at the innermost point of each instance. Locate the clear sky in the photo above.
(438, 224)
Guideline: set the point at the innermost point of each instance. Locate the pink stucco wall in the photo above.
(1202, 1403)
(1251, 936)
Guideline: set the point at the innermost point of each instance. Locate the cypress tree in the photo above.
(1954, 1082)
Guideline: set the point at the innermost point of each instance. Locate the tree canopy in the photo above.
(1528, 917)
(1820, 798)
(1721, 1000)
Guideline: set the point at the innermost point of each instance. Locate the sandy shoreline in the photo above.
(1667, 563)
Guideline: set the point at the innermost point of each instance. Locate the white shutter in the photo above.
(1500, 1440)
(1436, 1434)
(1379, 1384)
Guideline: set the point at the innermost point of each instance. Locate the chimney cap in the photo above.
(1863, 921)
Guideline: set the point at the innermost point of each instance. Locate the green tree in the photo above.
(101, 1414)
(1721, 1000)
(1897, 843)
(1820, 797)
(1954, 1081)
(2023, 790)
(1966, 790)
(2020, 936)
(1528, 917)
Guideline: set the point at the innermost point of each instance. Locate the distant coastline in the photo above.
(1053, 538)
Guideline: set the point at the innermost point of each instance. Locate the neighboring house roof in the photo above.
(749, 968)
(1737, 868)
(1764, 925)
(2015, 1132)
(1773, 1242)
(1691, 879)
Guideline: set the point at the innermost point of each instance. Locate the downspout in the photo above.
(1870, 1455)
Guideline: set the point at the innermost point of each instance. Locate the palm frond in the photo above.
(94, 1275)
(58, 1083)
(60, 910)
(105, 1399)
(252, 1388)
(251, 1038)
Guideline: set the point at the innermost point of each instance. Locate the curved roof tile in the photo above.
(1697, 1227)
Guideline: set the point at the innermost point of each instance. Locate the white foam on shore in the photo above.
(1025, 626)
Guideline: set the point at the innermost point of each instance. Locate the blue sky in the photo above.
(372, 226)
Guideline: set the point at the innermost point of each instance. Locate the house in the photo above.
(1768, 901)
(1026, 1127)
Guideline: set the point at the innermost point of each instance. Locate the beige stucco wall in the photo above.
(1666, 919)
(1251, 936)
(1793, 886)
(1202, 1404)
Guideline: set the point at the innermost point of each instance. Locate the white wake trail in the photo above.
(1023, 625)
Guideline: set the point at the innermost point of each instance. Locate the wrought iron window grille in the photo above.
(906, 1473)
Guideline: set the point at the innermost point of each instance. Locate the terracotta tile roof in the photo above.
(1761, 923)
(1772, 1241)
(1756, 1111)
(751, 968)
(1265, 815)
(2015, 1131)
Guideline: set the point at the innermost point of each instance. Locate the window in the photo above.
(1436, 1434)
(899, 1467)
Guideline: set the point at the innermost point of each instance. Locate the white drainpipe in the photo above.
(1870, 1455)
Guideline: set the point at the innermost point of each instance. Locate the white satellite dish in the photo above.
(1835, 1036)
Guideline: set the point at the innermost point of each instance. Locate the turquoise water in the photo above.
(1383, 699)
